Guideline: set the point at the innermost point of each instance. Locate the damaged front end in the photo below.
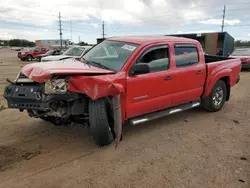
(65, 99)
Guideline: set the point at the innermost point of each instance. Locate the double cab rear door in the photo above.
(177, 75)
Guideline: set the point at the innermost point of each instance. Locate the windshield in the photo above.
(241, 52)
(110, 54)
(49, 52)
(74, 51)
(30, 49)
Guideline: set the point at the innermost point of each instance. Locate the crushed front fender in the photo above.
(98, 86)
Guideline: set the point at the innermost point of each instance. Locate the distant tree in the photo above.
(83, 44)
(21, 43)
(4, 42)
(239, 43)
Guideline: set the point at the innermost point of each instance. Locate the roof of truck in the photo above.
(150, 39)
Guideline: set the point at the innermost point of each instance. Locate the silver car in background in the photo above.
(73, 52)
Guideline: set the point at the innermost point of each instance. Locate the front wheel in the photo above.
(29, 58)
(215, 101)
(100, 122)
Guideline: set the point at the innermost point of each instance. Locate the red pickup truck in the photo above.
(31, 53)
(124, 80)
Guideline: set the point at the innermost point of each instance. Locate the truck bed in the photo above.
(212, 58)
(217, 67)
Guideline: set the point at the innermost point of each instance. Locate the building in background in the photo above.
(54, 43)
(218, 43)
(98, 40)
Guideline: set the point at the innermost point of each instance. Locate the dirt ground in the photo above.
(190, 149)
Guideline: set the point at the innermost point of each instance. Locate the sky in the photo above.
(82, 19)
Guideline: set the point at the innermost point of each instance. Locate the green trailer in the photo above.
(218, 43)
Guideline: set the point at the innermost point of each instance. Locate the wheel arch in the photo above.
(226, 79)
(225, 76)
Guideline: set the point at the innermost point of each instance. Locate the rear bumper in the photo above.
(245, 65)
(238, 80)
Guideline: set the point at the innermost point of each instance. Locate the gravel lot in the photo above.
(189, 149)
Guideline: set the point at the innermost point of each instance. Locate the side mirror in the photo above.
(141, 68)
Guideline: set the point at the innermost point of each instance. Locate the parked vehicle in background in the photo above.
(16, 48)
(244, 55)
(144, 78)
(73, 52)
(48, 53)
(31, 53)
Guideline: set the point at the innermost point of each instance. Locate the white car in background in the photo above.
(74, 52)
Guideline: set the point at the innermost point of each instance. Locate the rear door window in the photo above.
(186, 55)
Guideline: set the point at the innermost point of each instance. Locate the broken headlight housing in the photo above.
(21, 78)
(57, 85)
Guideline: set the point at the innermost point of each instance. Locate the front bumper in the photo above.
(31, 96)
(20, 56)
(3, 105)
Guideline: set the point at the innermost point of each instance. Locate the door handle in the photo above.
(168, 78)
(199, 72)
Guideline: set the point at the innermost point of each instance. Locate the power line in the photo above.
(60, 29)
(103, 30)
(223, 18)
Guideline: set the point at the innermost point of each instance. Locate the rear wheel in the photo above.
(101, 122)
(215, 101)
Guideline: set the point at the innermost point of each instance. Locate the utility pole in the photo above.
(71, 30)
(60, 29)
(223, 18)
(103, 30)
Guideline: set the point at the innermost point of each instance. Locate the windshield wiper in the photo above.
(83, 60)
(96, 63)
(100, 65)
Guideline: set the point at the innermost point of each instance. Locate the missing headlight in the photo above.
(56, 85)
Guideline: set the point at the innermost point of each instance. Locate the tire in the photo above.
(215, 101)
(29, 57)
(100, 125)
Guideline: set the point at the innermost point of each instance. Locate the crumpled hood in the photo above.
(41, 72)
(55, 58)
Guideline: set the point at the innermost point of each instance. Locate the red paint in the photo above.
(244, 59)
(154, 92)
(33, 53)
(98, 86)
(41, 72)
